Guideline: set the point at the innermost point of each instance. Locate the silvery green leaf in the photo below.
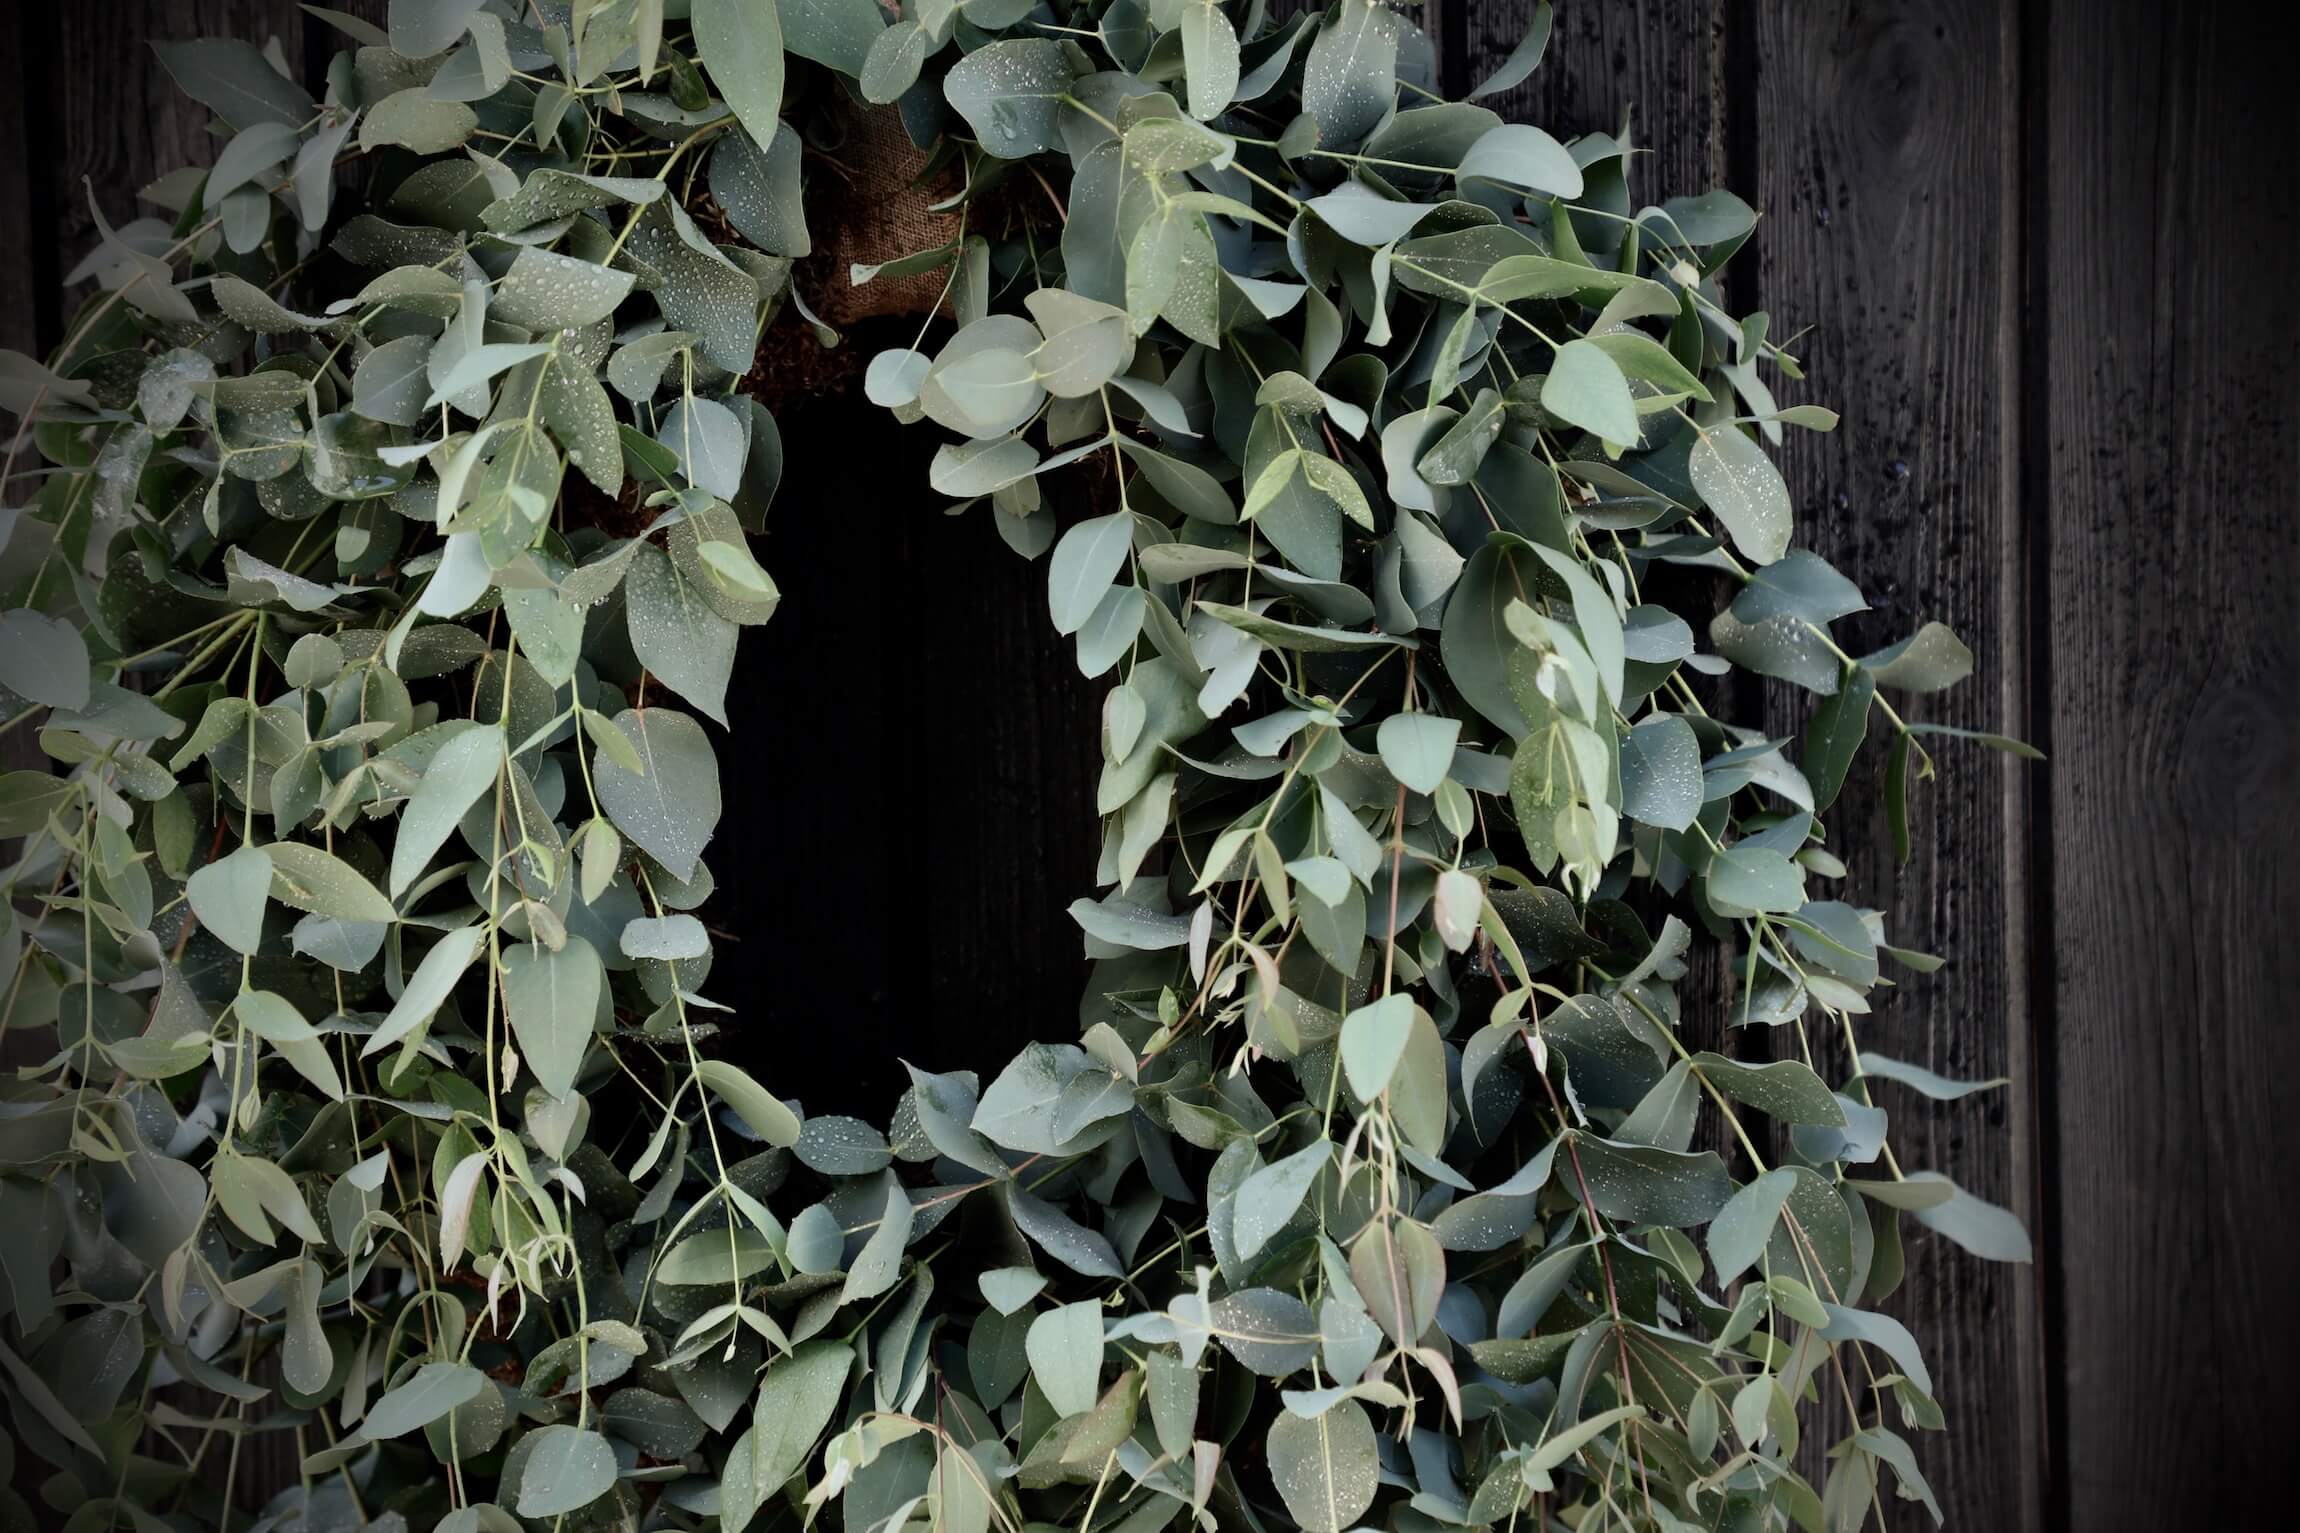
(1536, 1289)
(460, 772)
(981, 468)
(164, 394)
(1209, 57)
(311, 879)
(236, 82)
(1939, 1087)
(1374, 1042)
(1523, 59)
(1120, 922)
(1981, 1227)
(1786, 1088)
(1715, 217)
(815, 1244)
(1782, 646)
(1365, 217)
(741, 43)
(1065, 1350)
(1010, 94)
(1884, 1333)
(1057, 1234)
(1585, 388)
(1017, 1108)
(1086, 343)
(678, 635)
(699, 288)
(551, 998)
(1740, 483)
(1418, 748)
(1326, 1469)
(709, 443)
(768, 1116)
(759, 188)
(306, 1359)
(833, 33)
(545, 291)
(1929, 660)
(840, 1146)
(348, 946)
(414, 120)
(891, 66)
(1738, 1235)
(797, 1397)
(430, 1393)
(1086, 560)
(1271, 1332)
(1189, 488)
(1661, 773)
(391, 383)
(1296, 636)
(665, 938)
(1802, 584)
(44, 659)
(893, 377)
(1638, 1184)
(567, 1468)
(229, 895)
(1172, 1386)
(1745, 881)
(1523, 158)
(252, 582)
(636, 369)
(1270, 1197)
(421, 28)
(255, 149)
(550, 194)
(427, 988)
(1351, 1339)
(344, 459)
(453, 377)
(1350, 77)
(1008, 1289)
(878, 1266)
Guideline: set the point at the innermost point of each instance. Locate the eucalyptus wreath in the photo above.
(389, 516)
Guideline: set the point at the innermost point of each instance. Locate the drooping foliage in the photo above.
(388, 521)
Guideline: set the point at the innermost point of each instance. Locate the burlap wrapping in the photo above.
(870, 207)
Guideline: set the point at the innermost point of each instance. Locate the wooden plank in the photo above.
(119, 120)
(1885, 165)
(2174, 647)
(27, 306)
(1662, 61)
(1873, 134)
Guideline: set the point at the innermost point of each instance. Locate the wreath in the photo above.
(392, 511)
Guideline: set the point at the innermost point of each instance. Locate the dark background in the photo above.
(2047, 252)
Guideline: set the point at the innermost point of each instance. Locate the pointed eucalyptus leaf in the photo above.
(741, 43)
(669, 805)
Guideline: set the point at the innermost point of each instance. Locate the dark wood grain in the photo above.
(1886, 168)
(22, 298)
(2175, 551)
(116, 119)
(1660, 62)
